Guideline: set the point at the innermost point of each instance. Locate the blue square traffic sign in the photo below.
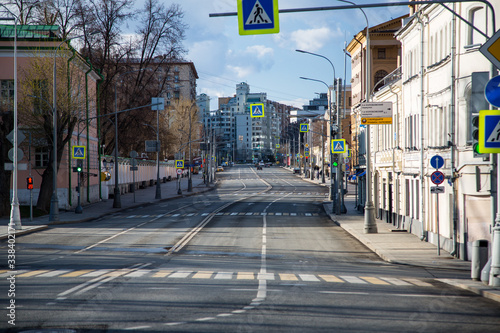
(79, 152)
(489, 131)
(258, 17)
(257, 110)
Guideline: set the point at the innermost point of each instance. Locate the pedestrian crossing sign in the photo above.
(79, 152)
(257, 110)
(277, 145)
(489, 131)
(179, 164)
(304, 128)
(257, 17)
(338, 146)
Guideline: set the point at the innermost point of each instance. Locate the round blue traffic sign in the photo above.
(437, 162)
(492, 91)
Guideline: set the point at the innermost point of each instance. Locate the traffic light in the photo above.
(335, 160)
(79, 166)
(29, 183)
(475, 135)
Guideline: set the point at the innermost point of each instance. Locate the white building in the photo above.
(443, 75)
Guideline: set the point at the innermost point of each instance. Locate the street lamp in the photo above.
(370, 224)
(15, 214)
(54, 202)
(333, 186)
(329, 106)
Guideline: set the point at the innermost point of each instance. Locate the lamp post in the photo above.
(370, 225)
(333, 185)
(330, 109)
(54, 202)
(15, 214)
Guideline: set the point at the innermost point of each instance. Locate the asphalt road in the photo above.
(256, 255)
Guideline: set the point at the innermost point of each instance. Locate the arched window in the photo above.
(379, 75)
(477, 19)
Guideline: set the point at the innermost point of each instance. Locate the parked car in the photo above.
(296, 170)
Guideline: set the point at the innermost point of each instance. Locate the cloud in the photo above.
(311, 39)
(254, 59)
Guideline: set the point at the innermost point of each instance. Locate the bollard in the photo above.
(495, 257)
(479, 258)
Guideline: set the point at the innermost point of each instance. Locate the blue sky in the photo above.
(269, 63)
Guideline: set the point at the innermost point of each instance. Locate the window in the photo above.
(41, 93)
(381, 53)
(41, 157)
(379, 76)
(6, 92)
(477, 19)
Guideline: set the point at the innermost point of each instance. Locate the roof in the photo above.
(29, 31)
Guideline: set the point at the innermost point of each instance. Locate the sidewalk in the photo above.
(95, 210)
(402, 247)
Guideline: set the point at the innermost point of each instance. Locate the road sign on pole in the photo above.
(489, 131)
(379, 113)
(491, 49)
(257, 110)
(304, 128)
(257, 17)
(437, 162)
(338, 146)
(492, 91)
(179, 164)
(437, 177)
(79, 152)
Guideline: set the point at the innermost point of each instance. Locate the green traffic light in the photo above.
(335, 164)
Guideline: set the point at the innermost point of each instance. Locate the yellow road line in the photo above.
(78, 273)
(331, 278)
(162, 273)
(288, 277)
(373, 280)
(245, 276)
(203, 275)
(32, 273)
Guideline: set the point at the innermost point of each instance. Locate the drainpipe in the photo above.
(422, 185)
(87, 127)
(395, 179)
(99, 82)
(451, 144)
(70, 201)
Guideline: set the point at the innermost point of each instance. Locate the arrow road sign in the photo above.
(489, 131)
(437, 162)
(258, 17)
(492, 91)
(257, 110)
(437, 189)
(437, 177)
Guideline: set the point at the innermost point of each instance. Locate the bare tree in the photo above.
(36, 113)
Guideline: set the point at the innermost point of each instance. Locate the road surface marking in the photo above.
(374, 280)
(55, 273)
(77, 273)
(418, 282)
(396, 282)
(162, 274)
(245, 276)
(224, 276)
(180, 275)
(353, 279)
(288, 277)
(309, 278)
(331, 278)
(32, 273)
(203, 275)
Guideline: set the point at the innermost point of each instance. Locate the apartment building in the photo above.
(436, 91)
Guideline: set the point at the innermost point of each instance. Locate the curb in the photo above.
(29, 230)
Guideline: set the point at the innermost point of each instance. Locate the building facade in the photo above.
(440, 88)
